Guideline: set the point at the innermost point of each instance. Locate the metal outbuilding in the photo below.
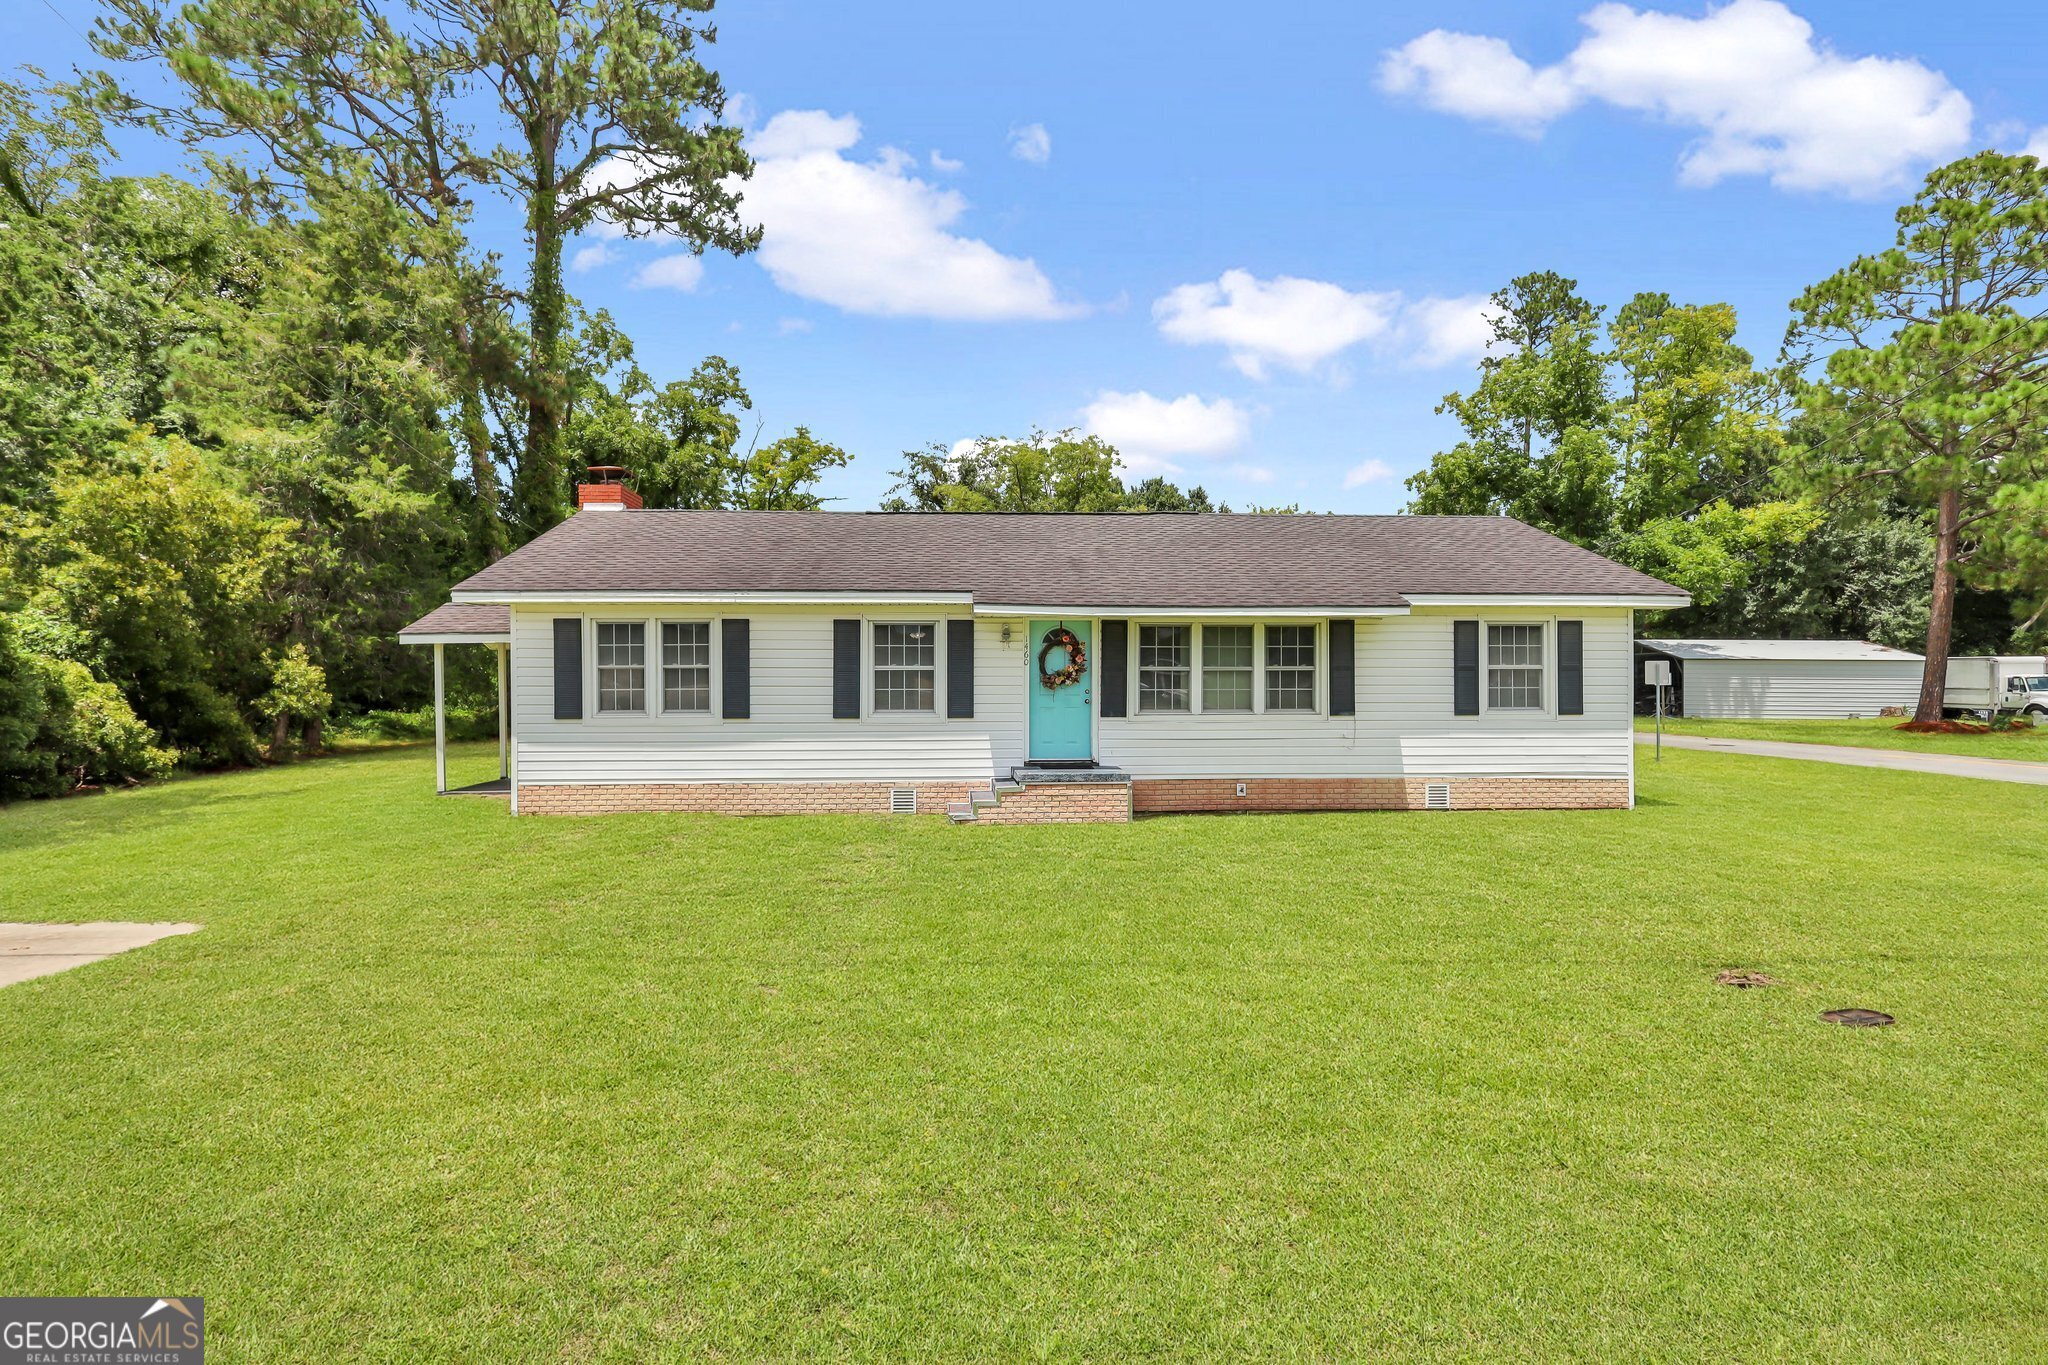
(1785, 679)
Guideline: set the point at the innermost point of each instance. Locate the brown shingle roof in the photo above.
(1128, 560)
(462, 618)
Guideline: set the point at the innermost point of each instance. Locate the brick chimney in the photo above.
(605, 490)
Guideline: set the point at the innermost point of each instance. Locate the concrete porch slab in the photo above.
(32, 950)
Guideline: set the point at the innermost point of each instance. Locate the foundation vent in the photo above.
(1436, 796)
(902, 800)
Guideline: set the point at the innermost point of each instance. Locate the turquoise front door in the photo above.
(1061, 717)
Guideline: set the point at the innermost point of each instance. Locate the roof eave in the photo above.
(1641, 601)
(449, 637)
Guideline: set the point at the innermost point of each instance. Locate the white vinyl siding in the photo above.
(791, 736)
(1404, 725)
(1788, 689)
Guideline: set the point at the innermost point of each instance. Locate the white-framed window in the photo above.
(1228, 656)
(1514, 666)
(1165, 665)
(906, 666)
(621, 667)
(685, 665)
(1291, 668)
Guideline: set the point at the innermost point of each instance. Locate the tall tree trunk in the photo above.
(538, 489)
(1941, 617)
(280, 737)
(476, 438)
(314, 726)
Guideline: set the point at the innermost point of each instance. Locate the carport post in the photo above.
(440, 723)
(504, 713)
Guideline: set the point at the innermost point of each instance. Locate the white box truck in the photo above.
(1998, 682)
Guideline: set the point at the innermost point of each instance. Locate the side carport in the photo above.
(461, 623)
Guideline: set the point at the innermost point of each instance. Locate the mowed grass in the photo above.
(438, 1084)
(1869, 732)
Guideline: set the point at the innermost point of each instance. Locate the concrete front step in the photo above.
(1073, 792)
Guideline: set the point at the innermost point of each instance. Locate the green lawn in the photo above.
(1871, 732)
(437, 1084)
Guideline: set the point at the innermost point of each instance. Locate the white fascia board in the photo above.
(1644, 602)
(500, 638)
(1184, 613)
(745, 599)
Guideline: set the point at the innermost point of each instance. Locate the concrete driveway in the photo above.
(1948, 765)
(32, 950)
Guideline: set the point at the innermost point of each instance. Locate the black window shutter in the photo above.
(1465, 668)
(960, 669)
(737, 675)
(1343, 668)
(846, 670)
(568, 668)
(1112, 690)
(1571, 668)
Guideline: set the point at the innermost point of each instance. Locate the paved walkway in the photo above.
(31, 950)
(1950, 765)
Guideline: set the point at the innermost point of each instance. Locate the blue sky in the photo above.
(1249, 245)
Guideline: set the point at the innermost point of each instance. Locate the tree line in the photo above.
(255, 418)
(1886, 478)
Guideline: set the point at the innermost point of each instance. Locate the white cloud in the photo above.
(2037, 145)
(793, 326)
(1293, 323)
(1031, 143)
(591, 257)
(1371, 471)
(1303, 325)
(1151, 433)
(1765, 97)
(870, 237)
(1477, 78)
(1437, 331)
(681, 271)
(944, 163)
(800, 132)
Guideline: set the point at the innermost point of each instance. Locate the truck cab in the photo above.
(2027, 695)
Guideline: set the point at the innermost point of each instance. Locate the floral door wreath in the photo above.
(1059, 637)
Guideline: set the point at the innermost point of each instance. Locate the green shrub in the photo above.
(464, 722)
(61, 729)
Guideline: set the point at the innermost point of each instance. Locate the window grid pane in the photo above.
(1226, 668)
(1514, 668)
(621, 666)
(906, 666)
(686, 666)
(1290, 668)
(1165, 667)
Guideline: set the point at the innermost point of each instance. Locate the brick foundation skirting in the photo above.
(1081, 803)
(1091, 803)
(1162, 796)
(736, 798)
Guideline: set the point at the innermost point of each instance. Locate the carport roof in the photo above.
(1769, 651)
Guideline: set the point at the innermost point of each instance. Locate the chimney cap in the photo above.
(607, 473)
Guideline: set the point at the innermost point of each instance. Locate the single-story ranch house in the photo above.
(1026, 667)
